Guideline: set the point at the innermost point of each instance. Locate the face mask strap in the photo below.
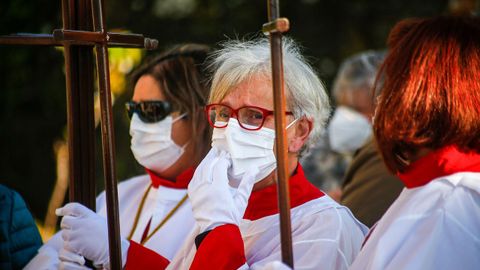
(291, 123)
(179, 117)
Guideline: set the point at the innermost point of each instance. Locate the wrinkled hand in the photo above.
(213, 201)
(84, 232)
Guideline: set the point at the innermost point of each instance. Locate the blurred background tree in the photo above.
(32, 83)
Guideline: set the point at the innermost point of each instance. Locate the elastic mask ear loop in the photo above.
(179, 117)
(291, 123)
(175, 120)
(186, 144)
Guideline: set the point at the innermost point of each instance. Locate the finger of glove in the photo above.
(202, 175)
(73, 209)
(220, 171)
(276, 265)
(209, 158)
(73, 232)
(245, 189)
(71, 223)
(72, 242)
(69, 256)
(71, 266)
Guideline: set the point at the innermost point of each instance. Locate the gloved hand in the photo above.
(84, 232)
(212, 199)
(71, 261)
(276, 265)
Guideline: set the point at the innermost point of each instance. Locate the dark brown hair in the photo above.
(180, 74)
(431, 94)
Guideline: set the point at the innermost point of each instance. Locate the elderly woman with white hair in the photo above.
(234, 192)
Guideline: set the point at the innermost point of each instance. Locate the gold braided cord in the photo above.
(139, 211)
(160, 225)
(167, 217)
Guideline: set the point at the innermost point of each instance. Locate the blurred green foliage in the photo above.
(32, 83)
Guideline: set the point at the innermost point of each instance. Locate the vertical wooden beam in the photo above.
(279, 102)
(108, 137)
(80, 105)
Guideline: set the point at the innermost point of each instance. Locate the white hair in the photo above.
(357, 73)
(240, 60)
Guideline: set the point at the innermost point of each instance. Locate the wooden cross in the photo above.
(83, 30)
(274, 29)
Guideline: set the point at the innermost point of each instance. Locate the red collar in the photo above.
(442, 162)
(264, 203)
(181, 181)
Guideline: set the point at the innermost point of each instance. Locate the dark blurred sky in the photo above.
(32, 84)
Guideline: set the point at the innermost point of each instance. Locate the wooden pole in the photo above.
(108, 138)
(274, 29)
(80, 110)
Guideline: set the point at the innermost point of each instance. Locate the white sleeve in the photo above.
(329, 239)
(47, 256)
(431, 242)
(314, 254)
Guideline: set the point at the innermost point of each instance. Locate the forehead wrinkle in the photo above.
(243, 94)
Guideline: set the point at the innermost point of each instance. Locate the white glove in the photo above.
(276, 265)
(71, 261)
(212, 199)
(86, 233)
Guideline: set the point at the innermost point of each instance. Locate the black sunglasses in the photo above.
(149, 111)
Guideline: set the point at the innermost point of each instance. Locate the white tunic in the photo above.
(325, 236)
(435, 226)
(159, 202)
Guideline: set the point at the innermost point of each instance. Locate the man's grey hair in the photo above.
(357, 73)
(238, 60)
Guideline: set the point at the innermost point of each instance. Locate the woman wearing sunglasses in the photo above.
(169, 137)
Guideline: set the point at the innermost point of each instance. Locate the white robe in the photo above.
(159, 202)
(325, 236)
(435, 226)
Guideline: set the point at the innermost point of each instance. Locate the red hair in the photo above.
(431, 91)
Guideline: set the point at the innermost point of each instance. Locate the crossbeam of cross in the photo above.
(84, 30)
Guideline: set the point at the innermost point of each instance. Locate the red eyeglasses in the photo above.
(248, 117)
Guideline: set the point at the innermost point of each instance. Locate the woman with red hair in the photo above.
(427, 126)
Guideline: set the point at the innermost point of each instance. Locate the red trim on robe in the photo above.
(221, 249)
(140, 257)
(264, 202)
(442, 162)
(181, 181)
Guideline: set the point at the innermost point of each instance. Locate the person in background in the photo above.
(170, 136)
(427, 129)
(19, 236)
(369, 188)
(234, 192)
(350, 126)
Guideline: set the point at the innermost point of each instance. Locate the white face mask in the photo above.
(247, 148)
(348, 130)
(152, 144)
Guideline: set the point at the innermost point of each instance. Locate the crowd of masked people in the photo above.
(389, 179)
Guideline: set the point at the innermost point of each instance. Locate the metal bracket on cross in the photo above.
(280, 25)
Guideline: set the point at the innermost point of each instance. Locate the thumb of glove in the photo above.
(73, 209)
(245, 189)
